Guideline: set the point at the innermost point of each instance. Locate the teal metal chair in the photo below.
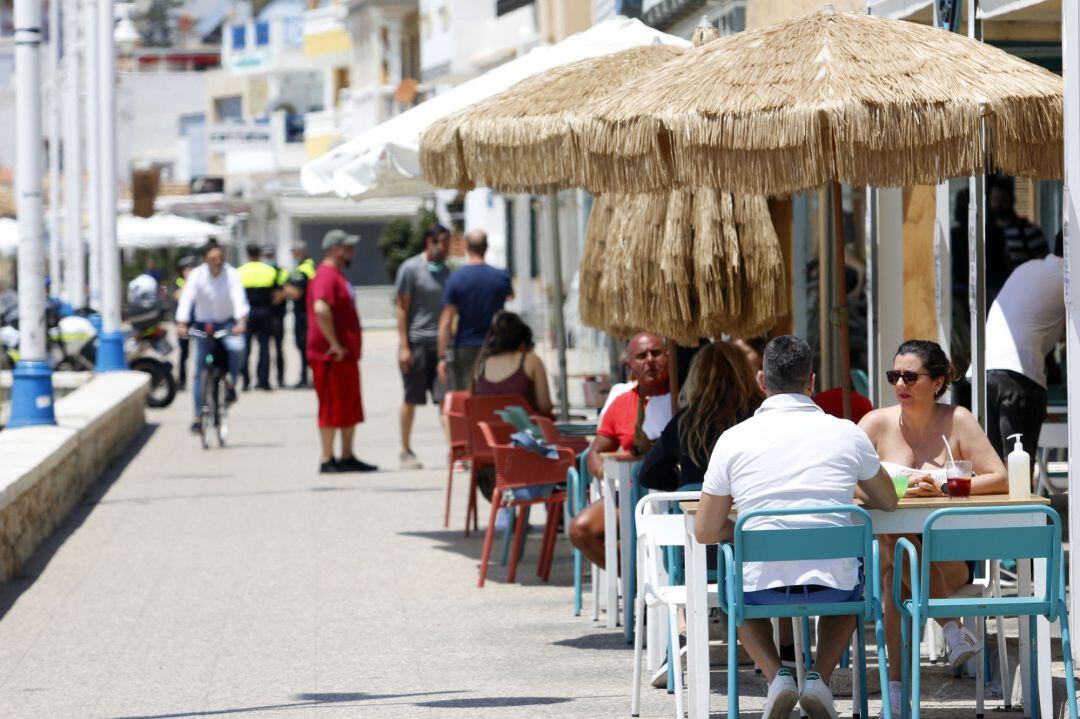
(808, 544)
(949, 545)
(577, 489)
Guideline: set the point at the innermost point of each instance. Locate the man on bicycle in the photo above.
(213, 295)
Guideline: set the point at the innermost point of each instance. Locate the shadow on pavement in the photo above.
(223, 495)
(483, 702)
(300, 701)
(602, 640)
(36, 563)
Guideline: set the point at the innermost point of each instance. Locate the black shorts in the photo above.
(422, 379)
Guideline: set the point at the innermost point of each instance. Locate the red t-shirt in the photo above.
(330, 286)
(832, 401)
(620, 419)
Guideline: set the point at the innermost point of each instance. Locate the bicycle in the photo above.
(214, 414)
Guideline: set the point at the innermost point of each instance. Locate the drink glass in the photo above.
(900, 484)
(958, 476)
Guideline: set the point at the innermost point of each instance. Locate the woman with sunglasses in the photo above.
(908, 438)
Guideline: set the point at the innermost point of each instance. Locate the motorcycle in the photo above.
(72, 346)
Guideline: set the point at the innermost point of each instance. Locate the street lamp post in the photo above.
(93, 151)
(74, 267)
(110, 353)
(55, 251)
(31, 391)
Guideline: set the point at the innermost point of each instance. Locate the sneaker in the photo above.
(352, 464)
(659, 677)
(817, 699)
(782, 697)
(964, 647)
(230, 395)
(330, 467)
(196, 427)
(410, 461)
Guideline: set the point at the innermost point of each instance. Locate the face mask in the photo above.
(435, 266)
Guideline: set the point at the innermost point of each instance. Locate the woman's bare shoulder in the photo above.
(877, 420)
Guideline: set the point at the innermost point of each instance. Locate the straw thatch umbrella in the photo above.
(828, 98)
(519, 140)
(832, 96)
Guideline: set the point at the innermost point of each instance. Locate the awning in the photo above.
(385, 160)
(305, 207)
(898, 9)
(1049, 9)
(163, 231)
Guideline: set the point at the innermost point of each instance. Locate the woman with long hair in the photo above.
(507, 364)
(719, 392)
(908, 438)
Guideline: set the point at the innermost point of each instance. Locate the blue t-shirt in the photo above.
(478, 291)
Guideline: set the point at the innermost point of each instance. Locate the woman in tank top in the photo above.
(508, 365)
(908, 438)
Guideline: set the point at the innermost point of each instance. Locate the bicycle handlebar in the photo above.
(192, 331)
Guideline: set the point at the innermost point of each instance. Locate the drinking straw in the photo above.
(948, 449)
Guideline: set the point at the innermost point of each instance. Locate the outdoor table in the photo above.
(908, 518)
(619, 510)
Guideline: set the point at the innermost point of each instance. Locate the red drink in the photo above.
(959, 486)
(958, 476)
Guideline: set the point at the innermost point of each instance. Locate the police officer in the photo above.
(296, 290)
(269, 256)
(260, 281)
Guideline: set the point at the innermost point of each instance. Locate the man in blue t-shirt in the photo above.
(473, 295)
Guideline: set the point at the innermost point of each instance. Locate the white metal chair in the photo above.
(657, 529)
(1053, 477)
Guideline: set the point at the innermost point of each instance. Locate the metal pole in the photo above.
(110, 354)
(1070, 39)
(977, 267)
(93, 151)
(31, 391)
(557, 299)
(55, 250)
(75, 265)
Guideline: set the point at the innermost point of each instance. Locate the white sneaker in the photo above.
(817, 699)
(964, 647)
(783, 696)
(410, 460)
(659, 677)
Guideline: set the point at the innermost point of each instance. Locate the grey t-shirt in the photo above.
(424, 289)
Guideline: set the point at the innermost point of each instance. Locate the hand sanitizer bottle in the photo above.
(1019, 470)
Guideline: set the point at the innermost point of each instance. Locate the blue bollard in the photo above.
(110, 352)
(31, 395)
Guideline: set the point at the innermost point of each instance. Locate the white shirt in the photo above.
(206, 298)
(657, 415)
(1027, 318)
(792, 454)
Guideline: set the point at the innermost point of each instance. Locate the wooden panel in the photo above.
(783, 222)
(920, 311)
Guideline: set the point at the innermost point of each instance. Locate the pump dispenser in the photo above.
(1019, 470)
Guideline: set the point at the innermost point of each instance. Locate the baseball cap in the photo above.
(333, 238)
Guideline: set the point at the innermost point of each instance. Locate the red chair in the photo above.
(482, 409)
(517, 468)
(551, 435)
(454, 409)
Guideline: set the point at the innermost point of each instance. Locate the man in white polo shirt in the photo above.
(792, 454)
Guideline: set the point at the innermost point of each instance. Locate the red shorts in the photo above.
(337, 385)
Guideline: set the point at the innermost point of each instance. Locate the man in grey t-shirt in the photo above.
(419, 289)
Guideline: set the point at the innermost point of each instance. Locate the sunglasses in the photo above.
(893, 376)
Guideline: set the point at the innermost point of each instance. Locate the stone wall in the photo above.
(45, 471)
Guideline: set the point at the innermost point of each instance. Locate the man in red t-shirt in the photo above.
(619, 427)
(333, 351)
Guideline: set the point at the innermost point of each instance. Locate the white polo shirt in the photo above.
(792, 454)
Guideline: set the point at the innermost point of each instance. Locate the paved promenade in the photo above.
(240, 582)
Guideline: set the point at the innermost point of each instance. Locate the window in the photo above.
(228, 108)
(262, 33)
(502, 7)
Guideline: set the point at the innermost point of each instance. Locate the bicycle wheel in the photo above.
(208, 413)
(221, 425)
